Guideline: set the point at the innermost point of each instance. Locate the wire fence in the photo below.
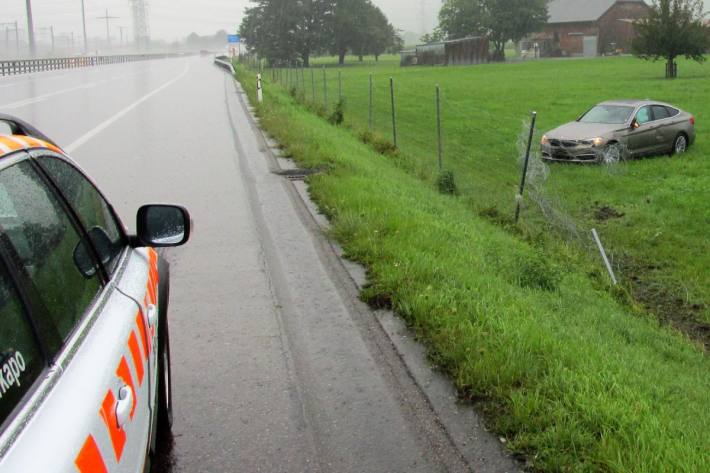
(435, 134)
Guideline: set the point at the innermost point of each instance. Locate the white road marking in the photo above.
(42, 98)
(92, 133)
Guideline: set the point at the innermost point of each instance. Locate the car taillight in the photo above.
(692, 121)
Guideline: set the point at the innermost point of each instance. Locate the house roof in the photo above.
(571, 11)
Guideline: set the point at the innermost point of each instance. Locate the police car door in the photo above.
(91, 412)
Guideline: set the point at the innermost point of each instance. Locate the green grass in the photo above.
(559, 366)
(660, 245)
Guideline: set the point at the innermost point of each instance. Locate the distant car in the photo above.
(621, 129)
(84, 342)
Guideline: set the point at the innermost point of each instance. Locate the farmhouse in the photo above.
(588, 27)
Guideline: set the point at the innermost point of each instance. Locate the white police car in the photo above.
(84, 346)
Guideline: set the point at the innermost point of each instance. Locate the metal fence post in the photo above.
(438, 128)
(369, 122)
(394, 114)
(313, 84)
(340, 85)
(519, 197)
(325, 89)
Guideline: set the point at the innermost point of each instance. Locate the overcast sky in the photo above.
(175, 19)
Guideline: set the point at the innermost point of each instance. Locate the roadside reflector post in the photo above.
(394, 114)
(438, 128)
(519, 197)
(259, 93)
(604, 257)
(370, 113)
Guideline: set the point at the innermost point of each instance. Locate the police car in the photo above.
(84, 347)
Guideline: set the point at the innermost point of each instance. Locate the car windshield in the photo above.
(608, 114)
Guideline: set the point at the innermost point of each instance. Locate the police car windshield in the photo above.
(608, 114)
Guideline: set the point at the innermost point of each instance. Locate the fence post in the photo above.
(325, 89)
(519, 197)
(604, 257)
(340, 85)
(303, 83)
(369, 122)
(438, 128)
(394, 114)
(313, 84)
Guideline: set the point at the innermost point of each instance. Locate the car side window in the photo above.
(643, 115)
(91, 208)
(660, 112)
(46, 244)
(21, 360)
(672, 112)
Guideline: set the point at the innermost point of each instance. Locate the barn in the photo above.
(459, 52)
(588, 27)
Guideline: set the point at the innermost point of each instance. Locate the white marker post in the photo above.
(259, 93)
(604, 257)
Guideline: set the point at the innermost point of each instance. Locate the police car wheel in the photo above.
(165, 393)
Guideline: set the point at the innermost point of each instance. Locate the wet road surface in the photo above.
(276, 366)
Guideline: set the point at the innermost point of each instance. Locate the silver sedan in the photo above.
(621, 129)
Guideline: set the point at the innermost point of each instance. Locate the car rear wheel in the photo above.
(680, 144)
(165, 391)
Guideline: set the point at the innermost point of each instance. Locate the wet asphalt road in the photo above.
(276, 367)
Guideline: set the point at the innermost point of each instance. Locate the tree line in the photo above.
(292, 31)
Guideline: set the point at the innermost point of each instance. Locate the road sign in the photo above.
(234, 38)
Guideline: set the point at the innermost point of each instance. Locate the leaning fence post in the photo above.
(519, 197)
(604, 257)
(394, 114)
(438, 128)
(369, 122)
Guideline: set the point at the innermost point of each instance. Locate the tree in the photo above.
(461, 18)
(376, 33)
(673, 28)
(500, 20)
(512, 20)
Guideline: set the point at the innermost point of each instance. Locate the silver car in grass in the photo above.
(621, 129)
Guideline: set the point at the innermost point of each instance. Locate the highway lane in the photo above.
(273, 371)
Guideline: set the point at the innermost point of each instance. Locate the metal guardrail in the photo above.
(225, 63)
(26, 66)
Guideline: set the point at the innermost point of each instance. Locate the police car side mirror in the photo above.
(161, 226)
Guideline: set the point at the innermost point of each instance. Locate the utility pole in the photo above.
(108, 30)
(30, 29)
(121, 28)
(7, 36)
(83, 21)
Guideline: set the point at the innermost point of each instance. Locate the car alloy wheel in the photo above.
(680, 145)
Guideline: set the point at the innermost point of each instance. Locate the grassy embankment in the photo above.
(653, 214)
(566, 373)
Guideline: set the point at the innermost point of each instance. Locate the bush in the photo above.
(446, 184)
(338, 115)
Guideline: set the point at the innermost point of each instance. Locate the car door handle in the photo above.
(152, 314)
(124, 405)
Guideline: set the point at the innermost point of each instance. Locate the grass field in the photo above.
(569, 375)
(653, 214)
